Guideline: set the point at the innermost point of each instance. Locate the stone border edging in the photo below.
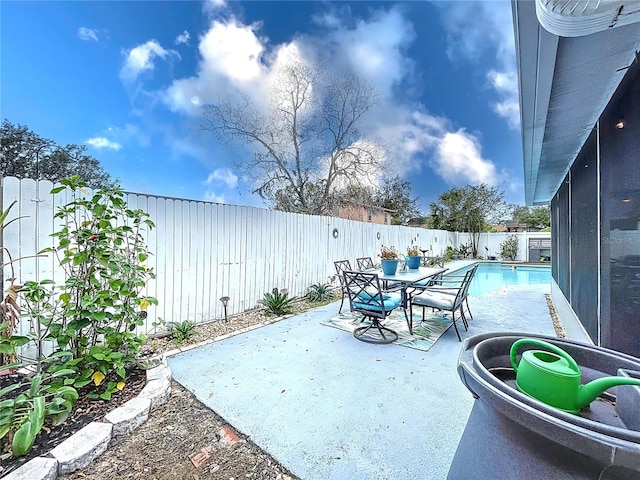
(92, 440)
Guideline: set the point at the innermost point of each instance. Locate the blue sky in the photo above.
(128, 78)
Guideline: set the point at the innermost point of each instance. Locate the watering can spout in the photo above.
(592, 390)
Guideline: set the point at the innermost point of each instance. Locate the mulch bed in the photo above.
(84, 412)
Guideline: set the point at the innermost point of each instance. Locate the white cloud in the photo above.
(211, 6)
(230, 64)
(417, 140)
(87, 34)
(235, 60)
(184, 37)
(211, 196)
(506, 84)
(458, 160)
(102, 142)
(477, 31)
(128, 133)
(374, 48)
(223, 175)
(141, 58)
(232, 50)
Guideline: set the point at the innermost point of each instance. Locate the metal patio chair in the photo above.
(439, 299)
(341, 267)
(450, 284)
(367, 298)
(365, 263)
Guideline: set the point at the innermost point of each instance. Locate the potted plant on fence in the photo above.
(389, 260)
(413, 257)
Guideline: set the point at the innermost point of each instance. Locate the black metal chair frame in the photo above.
(457, 303)
(364, 288)
(364, 263)
(341, 267)
(440, 283)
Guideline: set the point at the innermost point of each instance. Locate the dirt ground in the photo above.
(175, 433)
(182, 439)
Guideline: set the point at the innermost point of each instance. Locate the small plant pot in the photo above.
(389, 267)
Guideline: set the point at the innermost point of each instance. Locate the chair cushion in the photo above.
(429, 298)
(370, 293)
(390, 302)
(443, 289)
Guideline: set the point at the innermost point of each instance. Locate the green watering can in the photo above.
(553, 377)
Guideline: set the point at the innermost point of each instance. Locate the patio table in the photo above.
(406, 278)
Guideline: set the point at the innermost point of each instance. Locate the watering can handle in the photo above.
(540, 343)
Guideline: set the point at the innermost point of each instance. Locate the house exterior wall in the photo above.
(596, 226)
(363, 213)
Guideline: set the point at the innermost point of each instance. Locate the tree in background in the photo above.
(395, 195)
(25, 154)
(509, 248)
(471, 209)
(539, 217)
(306, 144)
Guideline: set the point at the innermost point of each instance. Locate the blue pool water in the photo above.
(491, 276)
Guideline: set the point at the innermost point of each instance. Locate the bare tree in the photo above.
(306, 143)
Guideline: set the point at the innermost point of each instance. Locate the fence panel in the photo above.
(202, 251)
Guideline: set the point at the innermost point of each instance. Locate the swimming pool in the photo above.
(491, 276)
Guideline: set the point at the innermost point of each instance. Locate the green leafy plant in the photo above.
(319, 292)
(510, 247)
(463, 250)
(413, 251)
(277, 302)
(450, 253)
(92, 318)
(22, 417)
(182, 331)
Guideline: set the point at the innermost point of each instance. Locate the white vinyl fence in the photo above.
(202, 251)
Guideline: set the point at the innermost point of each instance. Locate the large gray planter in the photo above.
(510, 435)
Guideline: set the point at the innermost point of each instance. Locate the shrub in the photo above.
(319, 292)
(181, 331)
(91, 319)
(277, 302)
(509, 248)
(449, 253)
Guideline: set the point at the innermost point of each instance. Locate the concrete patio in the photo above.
(330, 407)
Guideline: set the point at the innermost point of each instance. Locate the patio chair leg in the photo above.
(464, 318)
(466, 300)
(341, 303)
(453, 315)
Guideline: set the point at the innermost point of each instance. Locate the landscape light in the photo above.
(225, 302)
